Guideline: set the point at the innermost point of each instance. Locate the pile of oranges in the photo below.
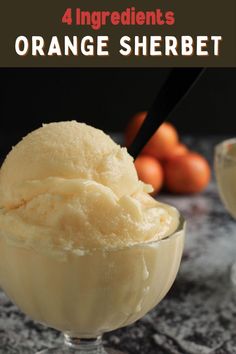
(166, 162)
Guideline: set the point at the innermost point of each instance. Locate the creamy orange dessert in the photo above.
(83, 247)
(225, 168)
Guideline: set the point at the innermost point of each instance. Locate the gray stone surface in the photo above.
(198, 316)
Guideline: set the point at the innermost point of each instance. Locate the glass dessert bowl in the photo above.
(83, 247)
(225, 169)
(87, 295)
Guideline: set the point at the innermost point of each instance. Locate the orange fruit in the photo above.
(178, 150)
(133, 127)
(189, 173)
(150, 171)
(162, 142)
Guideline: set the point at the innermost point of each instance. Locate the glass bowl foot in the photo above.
(73, 345)
(69, 351)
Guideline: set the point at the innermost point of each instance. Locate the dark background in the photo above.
(106, 98)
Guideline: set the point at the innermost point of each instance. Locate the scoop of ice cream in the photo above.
(68, 150)
(68, 186)
(230, 149)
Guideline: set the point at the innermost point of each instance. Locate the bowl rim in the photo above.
(180, 227)
(179, 231)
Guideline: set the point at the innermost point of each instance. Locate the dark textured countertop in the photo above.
(198, 316)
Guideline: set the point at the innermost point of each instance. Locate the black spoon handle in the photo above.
(176, 87)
